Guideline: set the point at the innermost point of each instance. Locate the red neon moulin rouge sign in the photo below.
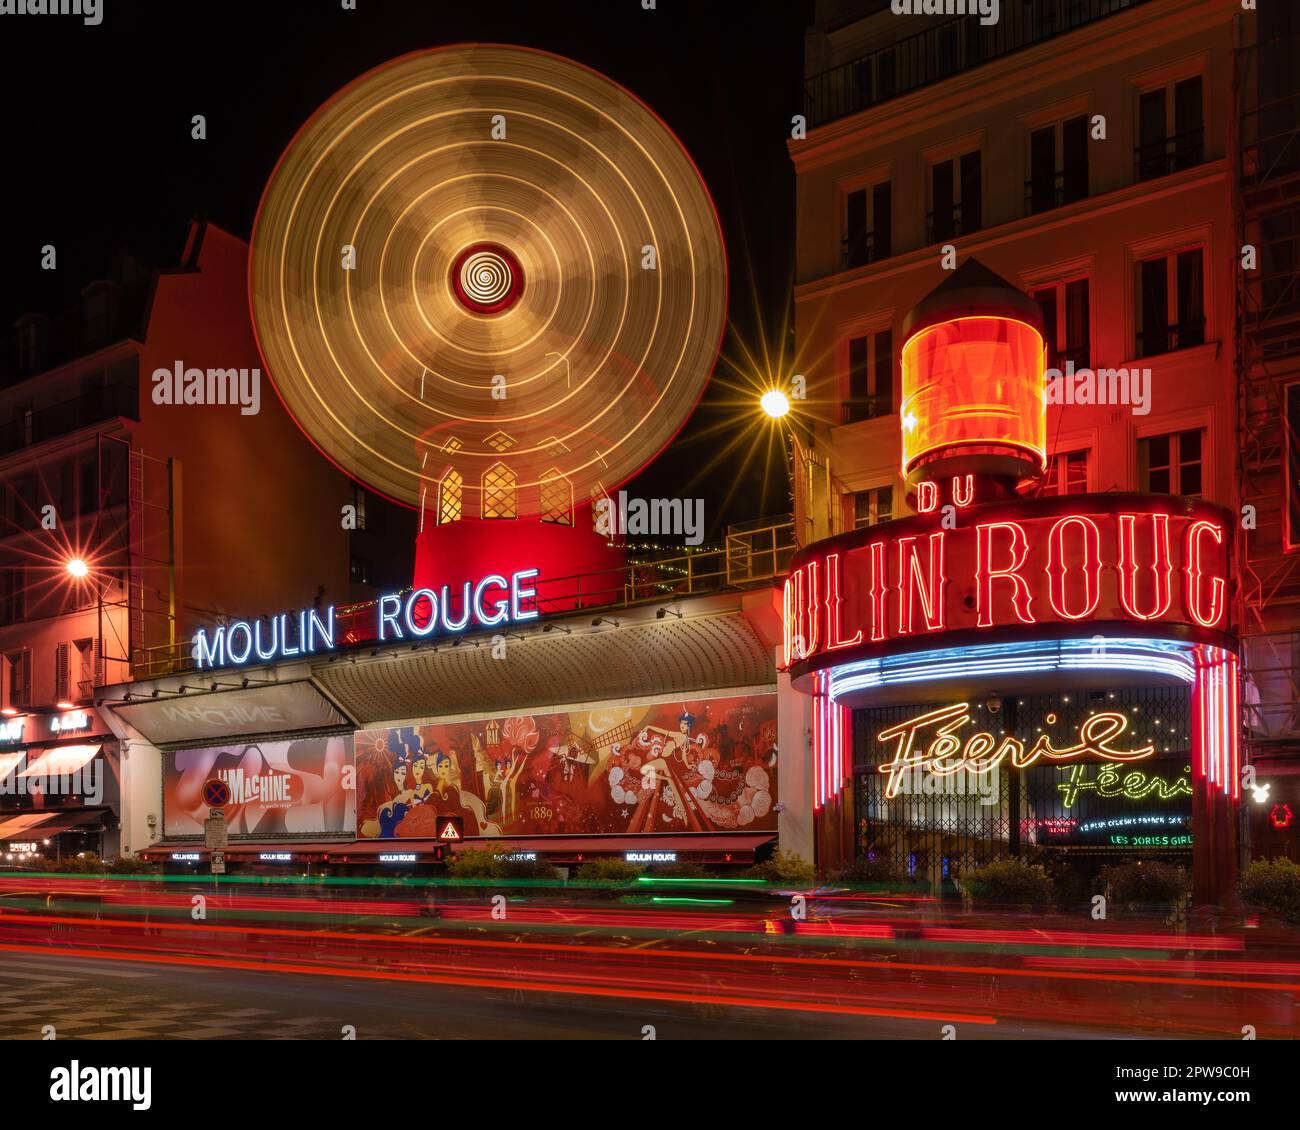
(1033, 568)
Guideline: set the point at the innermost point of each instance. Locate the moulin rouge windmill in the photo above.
(489, 283)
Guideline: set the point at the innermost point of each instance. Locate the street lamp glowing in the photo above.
(775, 403)
(78, 568)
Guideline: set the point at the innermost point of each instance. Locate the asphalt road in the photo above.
(100, 999)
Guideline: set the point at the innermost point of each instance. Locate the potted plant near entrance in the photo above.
(1273, 885)
(1010, 883)
(1148, 884)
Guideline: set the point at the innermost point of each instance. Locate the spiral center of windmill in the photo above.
(487, 279)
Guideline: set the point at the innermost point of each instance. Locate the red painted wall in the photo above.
(577, 567)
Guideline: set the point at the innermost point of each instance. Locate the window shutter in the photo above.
(62, 676)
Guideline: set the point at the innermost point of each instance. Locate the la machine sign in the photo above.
(1041, 567)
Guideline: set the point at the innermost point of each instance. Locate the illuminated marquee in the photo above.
(1066, 562)
(491, 601)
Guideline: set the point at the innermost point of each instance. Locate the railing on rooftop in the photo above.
(754, 553)
(944, 50)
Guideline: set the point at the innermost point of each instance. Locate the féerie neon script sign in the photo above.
(981, 752)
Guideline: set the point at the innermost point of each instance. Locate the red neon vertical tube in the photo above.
(1198, 709)
(1234, 722)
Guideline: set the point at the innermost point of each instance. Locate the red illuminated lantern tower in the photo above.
(973, 405)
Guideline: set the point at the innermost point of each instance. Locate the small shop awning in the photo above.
(16, 826)
(66, 819)
(60, 761)
(48, 822)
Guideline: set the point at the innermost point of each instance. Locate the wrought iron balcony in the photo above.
(945, 50)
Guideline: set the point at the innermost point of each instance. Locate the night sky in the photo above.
(99, 158)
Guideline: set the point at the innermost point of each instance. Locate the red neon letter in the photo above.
(1193, 570)
(913, 582)
(879, 590)
(834, 625)
(1160, 566)
(963, 490)
(1057, 567)
(787, 618)
(801, 613)
(986, 574)
(927, 496)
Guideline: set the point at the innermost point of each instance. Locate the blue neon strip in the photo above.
(1164, 657)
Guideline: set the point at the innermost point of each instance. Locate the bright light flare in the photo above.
(775, 403)
(78, 568)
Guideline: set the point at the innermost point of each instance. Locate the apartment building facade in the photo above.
(1084, 153)
(127, 521)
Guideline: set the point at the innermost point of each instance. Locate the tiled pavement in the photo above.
(129, 1007)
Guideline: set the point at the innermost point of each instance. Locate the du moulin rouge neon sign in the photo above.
(1065, 563)
(489, 602)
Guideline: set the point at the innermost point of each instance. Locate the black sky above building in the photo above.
(99, 160)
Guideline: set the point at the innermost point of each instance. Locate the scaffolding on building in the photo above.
(1266, 145)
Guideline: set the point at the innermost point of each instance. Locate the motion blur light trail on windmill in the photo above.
(488, 282)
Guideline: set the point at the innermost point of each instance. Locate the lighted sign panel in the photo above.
(1035, 569)
(700, 765)
(302, 787)
(973, 383)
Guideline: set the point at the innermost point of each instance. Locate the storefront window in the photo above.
(936, 810)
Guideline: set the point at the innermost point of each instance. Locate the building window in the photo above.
(1066, 323)
(30, 345)
(25, 514)
(499, 492)
(359, 505)
(359, 570)
(602, 506)
(868, 222)
(556, 498)
(87, 491)
(1171, 129)
(20, 678)
(956, 198)
(871, 507)
(450, 498)
(1170, 312)
(871, 377)
(1058, 165)
(1067, 473)
(86, 670)
(13, 594)
(1172, 464)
